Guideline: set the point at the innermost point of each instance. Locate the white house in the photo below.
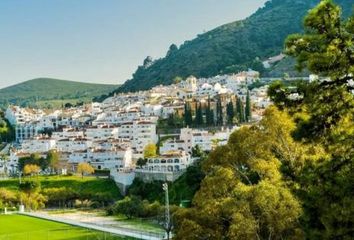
(68, 133)
(174, 161)
(73, 144)
(140, 133)
(37, 145)
(101, 132)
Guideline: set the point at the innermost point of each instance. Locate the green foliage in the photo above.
(230, 111)
(129, 207)
(219, 113)
(141, 162)
(290, 175)
(248, 108)
(42, 90)
(7, 198)
(198, 120)
(240, 112)
(64, 190)
(209, 112)
(243, 195)
(188, 117)
(150, 150)
(150, 191)
(7, 132)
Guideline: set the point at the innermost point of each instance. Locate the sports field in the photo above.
(18, 227)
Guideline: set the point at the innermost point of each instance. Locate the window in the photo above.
(176, 160)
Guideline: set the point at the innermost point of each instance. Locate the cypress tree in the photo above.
(230, 112)
(188, 119)
(198, 115)
(219, 113)
(209, 114)
(240, 111)
(248, 110)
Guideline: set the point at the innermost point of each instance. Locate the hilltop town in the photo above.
(113, 135)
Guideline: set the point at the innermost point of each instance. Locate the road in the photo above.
(116, 230)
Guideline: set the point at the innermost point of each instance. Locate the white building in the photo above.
(116, 158)
(37, 145)
(101, 132)
(73, 144)
(25, 131)
(168, 162)
(140, 133)
(68, 133)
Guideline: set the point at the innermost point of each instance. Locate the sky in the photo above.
(101, 41)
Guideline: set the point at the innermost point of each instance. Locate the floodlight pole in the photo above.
(167, 210)
(20, 175)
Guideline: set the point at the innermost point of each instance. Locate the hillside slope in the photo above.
(228, 48)
(44, 90)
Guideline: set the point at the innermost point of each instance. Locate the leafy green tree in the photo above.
(129, 207)
(173, 49)
(85, 168)
(325, 116)
(53, 159)
(326, 48)
(244, 195)
(150, 150)
(141, 162)
(31, 169)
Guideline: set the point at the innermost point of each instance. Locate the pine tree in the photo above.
(248, 110)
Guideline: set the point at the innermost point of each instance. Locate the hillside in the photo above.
(48, 92)
(228, 48)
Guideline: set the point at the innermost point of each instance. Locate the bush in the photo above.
(129, 207)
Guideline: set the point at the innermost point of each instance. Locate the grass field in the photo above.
(17, 227)
(86, 184)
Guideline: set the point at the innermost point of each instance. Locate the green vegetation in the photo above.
(229, 48)
(62, 191)
(47, 92)
(290, 175)
(134, 213)
(182, 189)
(140, 224)
(51, 161)
(7, 132)
(150, 150)
(17, 227)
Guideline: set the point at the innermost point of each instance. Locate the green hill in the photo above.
(48, 92)
(228, 48)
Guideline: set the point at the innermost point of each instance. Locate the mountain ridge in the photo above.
(41, 90)
(228, 48)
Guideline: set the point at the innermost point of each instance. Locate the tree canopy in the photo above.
(290, 175)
